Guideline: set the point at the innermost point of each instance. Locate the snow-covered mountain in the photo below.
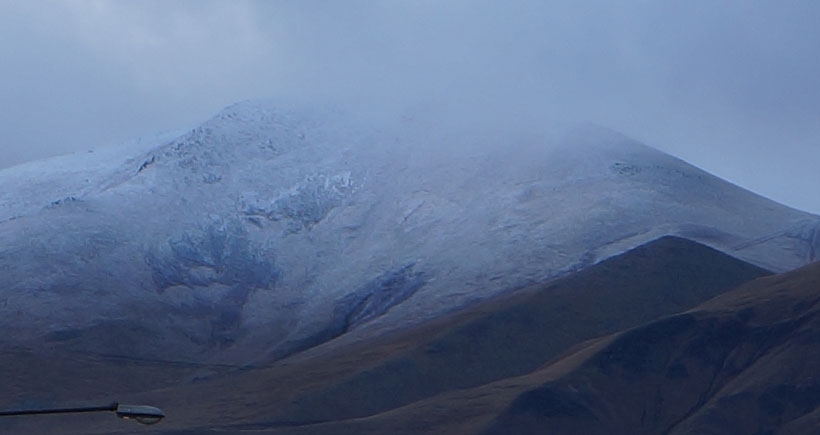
(271, 228)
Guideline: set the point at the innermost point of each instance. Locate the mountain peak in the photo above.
(280, 226)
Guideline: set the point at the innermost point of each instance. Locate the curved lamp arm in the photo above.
(141, 413)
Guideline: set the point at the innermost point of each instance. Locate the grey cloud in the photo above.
(730, 86)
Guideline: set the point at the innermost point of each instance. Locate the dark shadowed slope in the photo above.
(747, 362)
(320, 391)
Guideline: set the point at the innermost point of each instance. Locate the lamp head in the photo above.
(141, 413)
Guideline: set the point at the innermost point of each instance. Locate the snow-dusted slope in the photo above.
(269, 229)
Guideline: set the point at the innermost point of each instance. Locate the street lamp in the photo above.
(141, 413)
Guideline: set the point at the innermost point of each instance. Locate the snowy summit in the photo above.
(273, 228)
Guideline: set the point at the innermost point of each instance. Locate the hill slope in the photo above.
(745, 362)
(374, 386)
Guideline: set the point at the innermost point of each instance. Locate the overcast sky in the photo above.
(731, 86)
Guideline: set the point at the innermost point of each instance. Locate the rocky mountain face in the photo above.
(270, 229)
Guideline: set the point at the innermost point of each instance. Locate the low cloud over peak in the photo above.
(730, 87)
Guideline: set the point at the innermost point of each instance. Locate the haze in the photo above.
(729, 86)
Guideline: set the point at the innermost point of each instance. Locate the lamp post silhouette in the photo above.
(141, 413)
